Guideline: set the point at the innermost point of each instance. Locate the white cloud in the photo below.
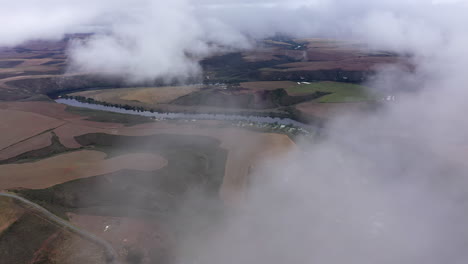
(389, 187)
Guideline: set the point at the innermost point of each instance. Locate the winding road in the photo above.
(111, 255)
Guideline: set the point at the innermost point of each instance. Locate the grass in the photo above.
(340, 92)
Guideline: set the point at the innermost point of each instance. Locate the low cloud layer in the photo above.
(389, 187)
(146, 39)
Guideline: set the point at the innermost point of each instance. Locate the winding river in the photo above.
(184, 116)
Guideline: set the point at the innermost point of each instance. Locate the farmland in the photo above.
(147, 95)
(71, 166)
(128, 179)
(28, 237)
(339, 92)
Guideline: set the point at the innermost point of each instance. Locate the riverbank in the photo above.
(287, 124)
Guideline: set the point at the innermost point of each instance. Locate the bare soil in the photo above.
(70, 166)
(16, 126)
(130, 237)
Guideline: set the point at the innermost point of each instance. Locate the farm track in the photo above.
(111, 255)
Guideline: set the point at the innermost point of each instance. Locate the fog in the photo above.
(390, 187)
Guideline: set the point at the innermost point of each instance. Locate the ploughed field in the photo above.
(124, 183)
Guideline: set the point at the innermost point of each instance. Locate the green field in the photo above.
(340, 92)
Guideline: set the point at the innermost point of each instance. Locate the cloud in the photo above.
(380, 188)
(147, 39)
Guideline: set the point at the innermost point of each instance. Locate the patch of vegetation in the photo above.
(266, 99)
(233, 68)
(109, 117)
(339, 92)
(20, 242)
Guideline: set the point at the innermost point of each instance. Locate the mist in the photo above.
(386, 187)
(149, 39)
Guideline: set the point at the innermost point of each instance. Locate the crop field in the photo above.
(31, 144)
(146, 95)
(340, 92)
(242, 146)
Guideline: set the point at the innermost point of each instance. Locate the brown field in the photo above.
(242, 158)
(64, 250)
(9, 213)
(16, 126)
(267, 85)
(126, 233)
(150, 96)
(244, 149)
(34, 143)
(70, 166)
(4, 81)
(351, 64)
(330, 110)
(274, 53)
(28, 66)
(37, 58)
(321, 54)
(48, 109)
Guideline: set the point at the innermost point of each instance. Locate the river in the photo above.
(184, 116)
